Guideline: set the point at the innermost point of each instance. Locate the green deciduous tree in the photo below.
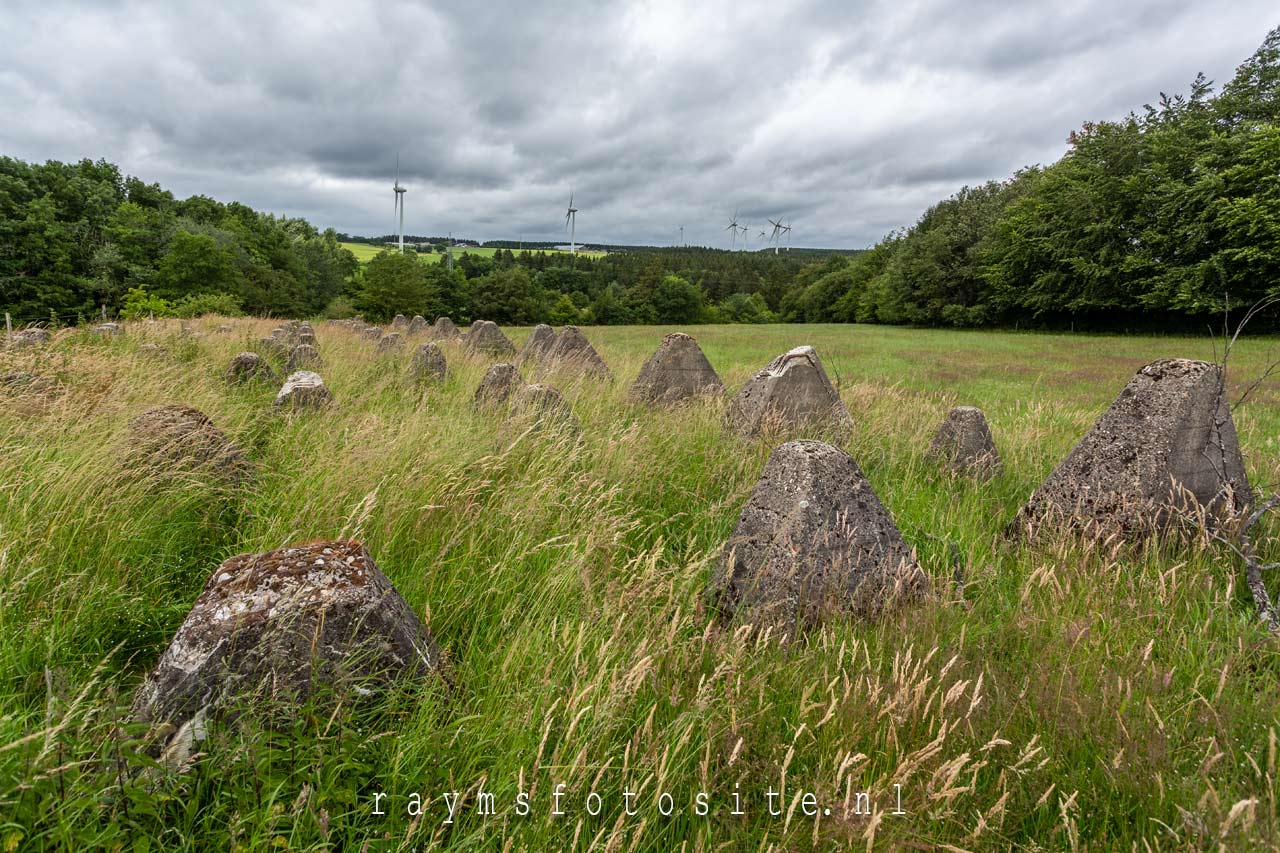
(196, 263)
(677, 301)
(396, 283)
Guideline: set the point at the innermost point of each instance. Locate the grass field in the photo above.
(1080, 697)
(365, 252)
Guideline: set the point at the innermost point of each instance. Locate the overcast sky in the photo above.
(848, 118)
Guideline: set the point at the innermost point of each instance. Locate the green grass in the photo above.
(1101, 697)
(365, 252)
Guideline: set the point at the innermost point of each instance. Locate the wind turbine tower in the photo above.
(400, 191)
(571, 222)
(773, 237)
(733, 226)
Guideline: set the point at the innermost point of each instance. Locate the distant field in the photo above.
(1069, 696)
(365, 252)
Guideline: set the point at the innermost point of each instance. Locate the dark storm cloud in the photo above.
(850, 118)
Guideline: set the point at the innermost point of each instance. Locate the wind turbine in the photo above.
(400, 191)
(571, 222)
(733, 226)
(788, 230)
(773, 237)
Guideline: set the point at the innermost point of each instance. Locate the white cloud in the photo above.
(850, 118)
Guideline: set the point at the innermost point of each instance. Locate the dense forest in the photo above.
(1159, 219)
(76, 237)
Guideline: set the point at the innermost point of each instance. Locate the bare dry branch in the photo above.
(1240, 540)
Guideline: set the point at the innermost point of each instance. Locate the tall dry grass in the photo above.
(1079, 696)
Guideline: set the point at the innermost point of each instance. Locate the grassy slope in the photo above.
(365, 252)
(1092, 696)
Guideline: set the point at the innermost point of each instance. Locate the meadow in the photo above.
(365, 252)
(1069, 695)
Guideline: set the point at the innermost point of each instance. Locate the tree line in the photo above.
(1162, 218)
(668, 286)
(75, 237)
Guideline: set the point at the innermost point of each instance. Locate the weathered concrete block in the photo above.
(443, 330)
(428, 364)
(22, 382)
(813, 540)
(485, 337)
(303, 390)
(543, 406)
(28, 338)
(499, 383)
(302, 357)
(248, 365)
(963, 444)
(540, 341)
(269, 628)
(1165, 448)
(173, 442)
(676, 372)
(571, 352)
(792, 395)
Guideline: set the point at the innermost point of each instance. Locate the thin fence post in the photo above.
(8, 325)
(104, 312)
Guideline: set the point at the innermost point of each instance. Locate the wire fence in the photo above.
(55, 318)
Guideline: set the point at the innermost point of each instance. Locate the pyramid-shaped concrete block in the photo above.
(540, 341)
(499, 383)
(302, 357)
(485, 337)
(813, 540)
(303, 389)
(792, 395)
(249, 365)
(543, 406)
(428, 363)
(444, 330)
(269, 629)
(676, 372)
(571, 352)
(1164, 451)
(963, 444)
